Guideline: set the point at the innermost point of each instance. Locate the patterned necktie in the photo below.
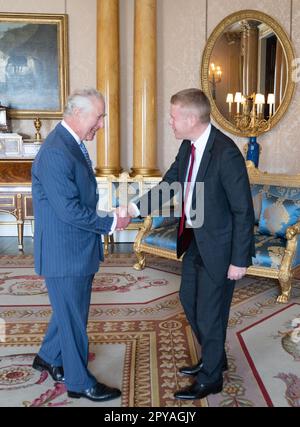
(86, 155)
(183, 217)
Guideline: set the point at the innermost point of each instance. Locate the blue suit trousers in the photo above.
(66, 341)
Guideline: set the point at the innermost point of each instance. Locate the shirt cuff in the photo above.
(134, 210)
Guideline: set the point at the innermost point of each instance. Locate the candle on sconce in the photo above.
(238, 100)
(271, 102)
(243, 102)
(219, 72)
(229, 100)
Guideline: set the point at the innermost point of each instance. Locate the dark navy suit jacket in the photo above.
(67, 237)
(226, 236)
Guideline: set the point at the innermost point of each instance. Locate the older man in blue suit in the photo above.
(67, 242)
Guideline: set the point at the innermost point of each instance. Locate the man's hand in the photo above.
(236, 273)
(123, 219)
(133, 210)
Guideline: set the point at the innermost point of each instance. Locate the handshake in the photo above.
(124, 215)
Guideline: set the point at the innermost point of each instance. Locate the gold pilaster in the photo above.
(252, 59)
(249, 49)
(144, 106)
(108, 82)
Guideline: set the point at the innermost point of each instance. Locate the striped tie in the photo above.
(86, 155)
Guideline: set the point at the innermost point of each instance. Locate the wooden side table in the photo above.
(15, 192)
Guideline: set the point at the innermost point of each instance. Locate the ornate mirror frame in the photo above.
(288, 51)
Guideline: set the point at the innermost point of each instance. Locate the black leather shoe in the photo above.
(193, 370)
(98, 393)
(199, 391)
(56, 372)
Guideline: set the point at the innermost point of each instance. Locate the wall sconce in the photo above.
(215, 76)
(249, 118)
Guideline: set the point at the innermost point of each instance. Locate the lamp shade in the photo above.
(259, 98)
(238, 97)
(229, 97)
(271, 98)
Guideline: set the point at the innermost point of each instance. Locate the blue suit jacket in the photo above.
(67, 237)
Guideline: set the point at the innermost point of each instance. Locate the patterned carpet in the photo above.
(140, 338)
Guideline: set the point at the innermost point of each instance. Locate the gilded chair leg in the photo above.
(106, 244)
(112, 242)
(140, 265)
(286, 287)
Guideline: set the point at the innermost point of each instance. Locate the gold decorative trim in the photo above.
(145, 172)
(16, 160)
(159, 252)
(107, 172)
(271, 273)
(61, 21)
(14, 184)
(288, 51)
(7, 205)
(140, 265)
(133, 226)
(258, 177)
(26, 216)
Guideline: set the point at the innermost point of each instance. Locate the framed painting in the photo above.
(34, 73)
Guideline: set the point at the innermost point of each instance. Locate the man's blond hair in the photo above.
(194, 99)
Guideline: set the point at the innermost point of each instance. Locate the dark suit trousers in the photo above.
(206, 304)
(66, 341)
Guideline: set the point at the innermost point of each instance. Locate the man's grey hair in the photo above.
(82, 99)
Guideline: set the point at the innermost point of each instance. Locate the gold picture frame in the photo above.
(34, 75)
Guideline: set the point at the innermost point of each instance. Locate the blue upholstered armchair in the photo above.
(276, 200)
(115, 191)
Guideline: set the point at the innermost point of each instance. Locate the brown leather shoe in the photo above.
(199, 391)
(98, 393)
(56, 372)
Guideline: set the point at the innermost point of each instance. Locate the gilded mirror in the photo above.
(248, 57)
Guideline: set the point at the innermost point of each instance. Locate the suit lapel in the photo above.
(185, 163)
(205, 160)
(74, 148)
(206, 156)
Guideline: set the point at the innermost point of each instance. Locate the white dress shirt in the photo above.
(200, 145)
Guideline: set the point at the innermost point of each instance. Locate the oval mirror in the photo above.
(247, 66)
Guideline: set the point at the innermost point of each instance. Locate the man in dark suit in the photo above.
(218, 245)
(67, 242)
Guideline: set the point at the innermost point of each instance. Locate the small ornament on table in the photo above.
(38, 125)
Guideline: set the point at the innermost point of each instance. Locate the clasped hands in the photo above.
(124, 215)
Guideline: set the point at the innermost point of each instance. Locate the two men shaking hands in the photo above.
(124, 215)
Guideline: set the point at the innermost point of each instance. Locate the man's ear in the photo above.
(76, 111)
(193, 119)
